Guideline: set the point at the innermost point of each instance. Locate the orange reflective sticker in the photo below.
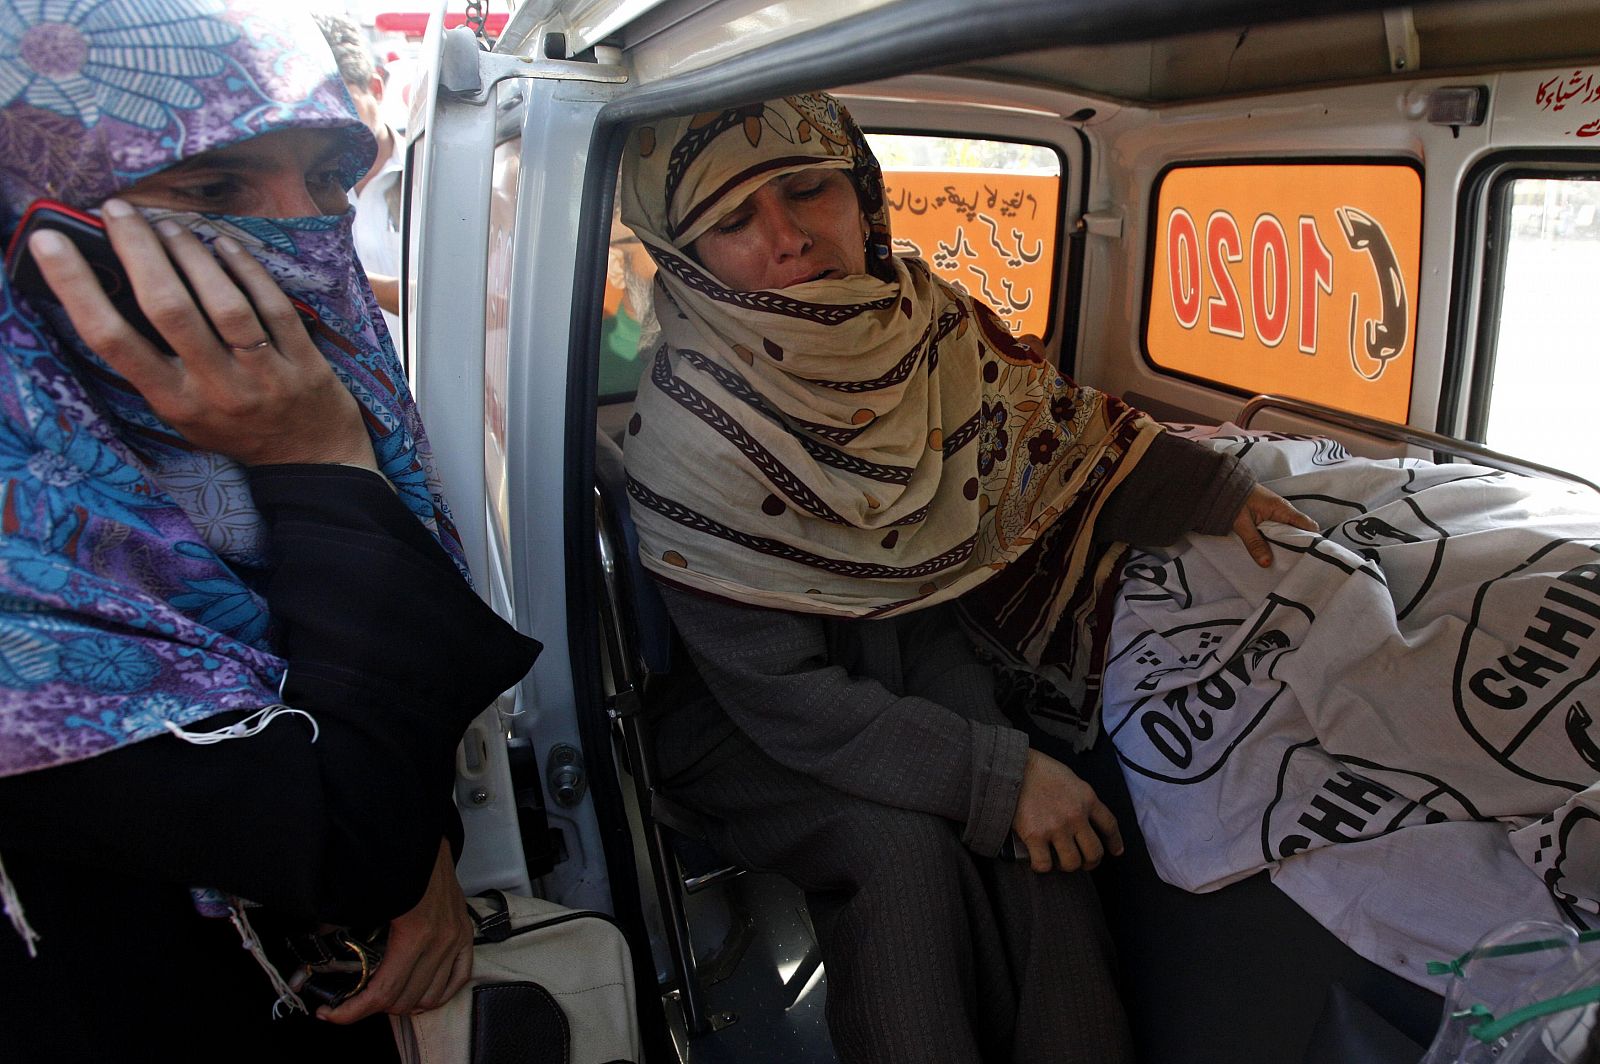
(1292, 279)
(988, 232)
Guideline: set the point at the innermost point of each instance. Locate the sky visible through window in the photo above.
(1547, 358)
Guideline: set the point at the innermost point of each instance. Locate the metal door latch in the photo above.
(564, 775)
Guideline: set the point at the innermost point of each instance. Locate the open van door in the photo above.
(538, 783)
(450, 396)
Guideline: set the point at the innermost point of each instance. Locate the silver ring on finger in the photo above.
(261, 345)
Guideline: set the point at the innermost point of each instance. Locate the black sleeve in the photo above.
(389, 650)
(1178, 486)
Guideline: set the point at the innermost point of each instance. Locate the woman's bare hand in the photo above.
(247, 382)
(1263, 504)
(1058, 810)
(428, 957)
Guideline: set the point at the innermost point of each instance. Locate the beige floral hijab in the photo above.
(854, 447)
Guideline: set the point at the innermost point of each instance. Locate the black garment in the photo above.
(394, 655)
(1178, 486)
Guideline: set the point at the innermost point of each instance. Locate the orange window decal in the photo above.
(1292, 279)
(990, 233)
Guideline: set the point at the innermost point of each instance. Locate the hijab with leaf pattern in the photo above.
(855, 447)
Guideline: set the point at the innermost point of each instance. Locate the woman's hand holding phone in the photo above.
(247, 381)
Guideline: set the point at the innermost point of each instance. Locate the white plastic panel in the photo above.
(453, 152)
(1370, 122)
(1549, 108)
(1376, 121)
(585, 22)
(676, 38)
(557, 125)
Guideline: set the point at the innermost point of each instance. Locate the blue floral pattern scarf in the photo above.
(129, 561)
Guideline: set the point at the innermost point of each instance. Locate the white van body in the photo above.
(512, 175)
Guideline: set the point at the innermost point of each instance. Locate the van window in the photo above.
(984, 214)
(628, 315)
(1289, 278)
(1540, 404)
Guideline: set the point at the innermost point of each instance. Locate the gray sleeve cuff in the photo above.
(999, 753)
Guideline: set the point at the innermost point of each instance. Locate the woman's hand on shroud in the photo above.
(248, 382)
(1058, 810)
(1263, 504)
(429, 955)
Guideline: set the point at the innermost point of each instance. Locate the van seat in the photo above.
(638, 637)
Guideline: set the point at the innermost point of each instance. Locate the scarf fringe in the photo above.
(288, 1001)
(249, 726)
(13, 909)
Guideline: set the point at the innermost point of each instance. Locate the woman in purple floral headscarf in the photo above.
(195, 547)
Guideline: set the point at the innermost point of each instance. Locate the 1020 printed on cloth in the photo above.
(550, 985)
(1396, 719)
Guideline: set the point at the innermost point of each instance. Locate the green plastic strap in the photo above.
(1491, 1031)
(1510, 950)
(1480, 1011)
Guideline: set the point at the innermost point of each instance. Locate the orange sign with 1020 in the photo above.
(1295, 279)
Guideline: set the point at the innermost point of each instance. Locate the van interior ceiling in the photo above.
(1424, 39)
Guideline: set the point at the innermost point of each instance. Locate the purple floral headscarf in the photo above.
(128, 560)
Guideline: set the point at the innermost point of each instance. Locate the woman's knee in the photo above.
(892, 848)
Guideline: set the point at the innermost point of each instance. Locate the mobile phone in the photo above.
(88, 235)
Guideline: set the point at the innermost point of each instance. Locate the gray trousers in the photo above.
(933, 953)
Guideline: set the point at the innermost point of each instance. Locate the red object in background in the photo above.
(413, 23)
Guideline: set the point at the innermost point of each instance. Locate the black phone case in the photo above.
(88, 235)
